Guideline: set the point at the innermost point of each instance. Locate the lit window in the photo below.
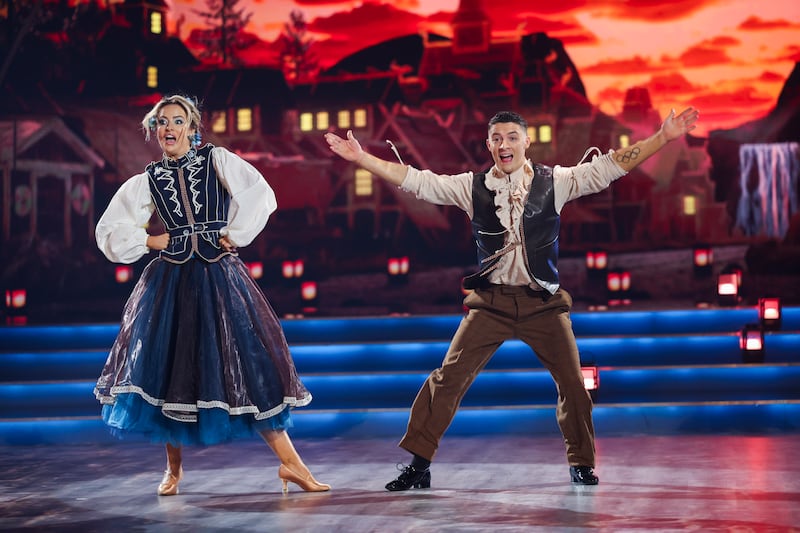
(545, 134)
(343, 119)
(219, 122)
(360, 118)
(532, 133)
(152, 77)
(624, 141)
(156, 23)
(244, 119)
(322, 120)
(689, 205)
(363, 182)
(306, 121)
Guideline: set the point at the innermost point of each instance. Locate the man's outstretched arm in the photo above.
(672, 128)
(350, 149)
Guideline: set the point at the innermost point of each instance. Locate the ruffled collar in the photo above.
(185, 160)
(510, 192)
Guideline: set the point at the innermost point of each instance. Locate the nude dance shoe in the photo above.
(169, 484)
(308, 484)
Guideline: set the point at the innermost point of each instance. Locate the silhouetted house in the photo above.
(48, 182)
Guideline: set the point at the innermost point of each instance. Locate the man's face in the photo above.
(507, 143)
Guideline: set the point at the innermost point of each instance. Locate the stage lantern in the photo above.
(398, 268)
(614, 281)
(256, 269)
(751, 343)
(16, 298)
(591, 380)
(123, 273)
(293, 269)
(703, 260)
(624, 281)
(308, 292)
(596, 260)
(591, 377)
(728, 289)
(769, 313)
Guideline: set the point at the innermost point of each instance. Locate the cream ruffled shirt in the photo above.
(511, 192)
(121, 232)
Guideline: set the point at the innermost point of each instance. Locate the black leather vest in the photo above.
(540, 227)
(192, 204)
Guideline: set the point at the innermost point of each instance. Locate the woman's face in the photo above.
(173, 131)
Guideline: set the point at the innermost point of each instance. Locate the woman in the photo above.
(201, 357)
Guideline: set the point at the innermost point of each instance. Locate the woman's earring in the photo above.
(196, 138)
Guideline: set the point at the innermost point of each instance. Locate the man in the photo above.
(514, 209)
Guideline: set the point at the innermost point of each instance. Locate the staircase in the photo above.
(660, 372)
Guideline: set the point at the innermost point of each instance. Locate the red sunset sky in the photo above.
(729, 58)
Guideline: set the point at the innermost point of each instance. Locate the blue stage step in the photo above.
(365, 372)
(418, 328)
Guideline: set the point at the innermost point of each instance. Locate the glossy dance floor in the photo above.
(502, 483)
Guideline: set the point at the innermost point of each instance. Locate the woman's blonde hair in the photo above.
(189, 107)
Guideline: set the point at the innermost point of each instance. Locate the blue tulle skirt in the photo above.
(200, 358)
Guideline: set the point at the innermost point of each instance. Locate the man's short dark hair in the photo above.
(509, 116)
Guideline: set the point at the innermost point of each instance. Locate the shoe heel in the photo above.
(424, 483)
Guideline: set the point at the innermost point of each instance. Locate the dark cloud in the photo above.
(367, 20)
(634, 65)
(791, 52)
(672, 84)
(651, 10)
(754, 23)
(771, 77)
(703, 55)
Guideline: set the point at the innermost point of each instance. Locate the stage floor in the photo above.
(502, 483)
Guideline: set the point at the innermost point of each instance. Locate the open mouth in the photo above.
(169, 139)
(507, 158)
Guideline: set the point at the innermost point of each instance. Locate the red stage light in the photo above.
(256, 269)
(16, 298)
(123, 273)
(769, 312)
(591, 377)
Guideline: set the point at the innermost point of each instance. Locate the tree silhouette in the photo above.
(226, 34)
(298, 60)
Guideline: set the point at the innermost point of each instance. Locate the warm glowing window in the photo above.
(156, 23)
(689, 205)
(363, 182)
(152, 77)
(244, 119)
(219, 121)
(306, 121)
(360, 118)
(322, 120)
(545, 134)
(624, 141)
(532, 133)
(343, 119)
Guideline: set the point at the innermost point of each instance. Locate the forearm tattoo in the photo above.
(628, 155)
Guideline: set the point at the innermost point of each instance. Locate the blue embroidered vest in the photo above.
(540, 227)
(192, 204)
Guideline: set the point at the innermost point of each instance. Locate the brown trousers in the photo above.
(495, 315)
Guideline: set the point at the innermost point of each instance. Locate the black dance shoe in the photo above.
(411, 477)
(583, 475)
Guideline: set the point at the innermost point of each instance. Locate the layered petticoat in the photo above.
(200, 358)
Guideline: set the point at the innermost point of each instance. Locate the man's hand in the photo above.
(349, 149)
(674, 127)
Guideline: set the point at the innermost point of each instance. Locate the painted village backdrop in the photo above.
(272, 76)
